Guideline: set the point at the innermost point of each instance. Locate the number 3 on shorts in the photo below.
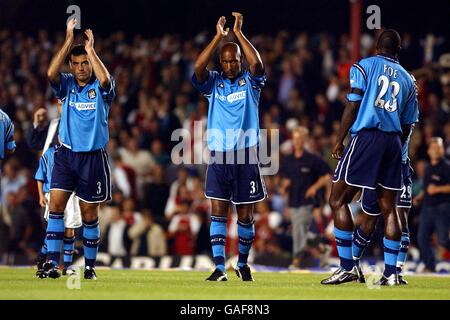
(99, 187)
(252, 187)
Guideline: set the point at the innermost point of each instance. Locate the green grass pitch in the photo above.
(20, 283)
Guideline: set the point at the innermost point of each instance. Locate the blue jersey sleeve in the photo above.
(206, 87)
(60, 90)
(10, 144)
(358, 80)
(410, 113)
(257, 82)
(41, 173)
(109, 93)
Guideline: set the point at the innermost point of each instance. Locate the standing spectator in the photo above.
(140, 160)
(12, 179)
(116, 238)
(435, 214)
(156, 194)
(303, 174)
(147, 237)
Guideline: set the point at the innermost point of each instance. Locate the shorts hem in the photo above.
(98, 201)
(249, 202)
(215, 198)
(71, 191)
(370, 214)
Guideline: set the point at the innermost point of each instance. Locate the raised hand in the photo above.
(70, 26)
(89, 43)
(238, 21)
(220, 27)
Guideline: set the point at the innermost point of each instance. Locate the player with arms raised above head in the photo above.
(233, 132)
(81, 162)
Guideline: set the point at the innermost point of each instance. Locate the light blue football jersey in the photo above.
(233, 121)
(44, 171)
(7, 134)
(389, 95)
(84, 119)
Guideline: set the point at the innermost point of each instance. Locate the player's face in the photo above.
(230, 60)
(81, 67)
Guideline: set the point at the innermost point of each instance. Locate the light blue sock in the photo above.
(91, 238)
(69, 245)
(218, 234)
(391, 248)
(54, 237)
(359, 244)
(344, 247)
(403, 252)
(246, 233)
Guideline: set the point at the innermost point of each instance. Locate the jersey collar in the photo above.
(237, 77)
(91, 81)
(392, 59)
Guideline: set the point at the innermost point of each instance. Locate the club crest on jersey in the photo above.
(92, 94)
(242, 82)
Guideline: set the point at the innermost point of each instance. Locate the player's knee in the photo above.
(89, 211)
(386, 206)
(57, 205)
(336, 203)
(69, 233)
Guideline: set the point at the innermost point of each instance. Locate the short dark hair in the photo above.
(389, 41)
(77, 50)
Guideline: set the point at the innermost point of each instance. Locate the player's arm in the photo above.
(251, 54)
(201, 73)
(406, 132)
(10, 145)
(58, 60)
(42, 200)
(348, 118)
(99, 68)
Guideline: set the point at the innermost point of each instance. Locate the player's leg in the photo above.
(404, 203)
(91, 237)
(72, 221)
(390, 179)
(93, 188)
(341, 195)
(392, 235)
(42, 256)
(218, 234)
(248, 188)
(363, 232)
(218, 189)
(246, 234)
(404, 244)
(69, 246)
(63, 183)
(55, 231)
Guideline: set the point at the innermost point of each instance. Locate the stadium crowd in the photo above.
(158, 207)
